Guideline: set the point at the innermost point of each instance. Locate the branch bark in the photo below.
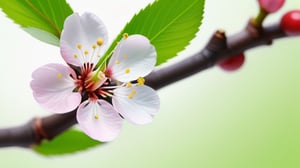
(218, 48)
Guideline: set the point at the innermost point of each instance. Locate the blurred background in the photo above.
(248, 118)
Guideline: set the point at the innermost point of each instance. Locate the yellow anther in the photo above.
(133, 92)
(130, 96)
(59, 75)
(128, 84)
(86, 52)
(79, 46)
(75, 56)
(117, 62)
(127, 70)
(125, 56)
(141, 81)
(94, 46)
(96, 116)
(99, 41)
(125, 35)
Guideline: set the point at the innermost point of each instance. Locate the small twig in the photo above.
(219, 47)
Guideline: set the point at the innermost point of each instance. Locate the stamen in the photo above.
(117, 62)
(96, 116)
(127, 70)
(109, 87)
(105, 93)
(128, 84)
(59, 75)
(131, 95)
(99, 41)
(125, 56)
(81, 54)
(141, 81)
(133, 92)
(93, 54)
(125, 35)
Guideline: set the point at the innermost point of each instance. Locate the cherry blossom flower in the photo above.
(103, 96)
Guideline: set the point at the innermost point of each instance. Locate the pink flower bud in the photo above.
(290, 23)
(271, 6)
(233, 63)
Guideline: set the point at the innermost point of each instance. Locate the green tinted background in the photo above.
(249, 118)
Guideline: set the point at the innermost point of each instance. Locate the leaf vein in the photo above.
(57, 31)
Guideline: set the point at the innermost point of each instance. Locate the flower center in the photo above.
(89, 82)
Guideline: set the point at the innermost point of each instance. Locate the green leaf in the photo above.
(68, 142)
(42, 35)
(169, 24)
(43, 19)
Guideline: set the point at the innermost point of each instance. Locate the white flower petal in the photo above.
(133, 57)
(53, 87)
(99, 120)
(137, 104)
(78, 37)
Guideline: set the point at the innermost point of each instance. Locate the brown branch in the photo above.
(219, 47)
(37, 130)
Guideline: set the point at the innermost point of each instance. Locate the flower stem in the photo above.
(258, 20)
